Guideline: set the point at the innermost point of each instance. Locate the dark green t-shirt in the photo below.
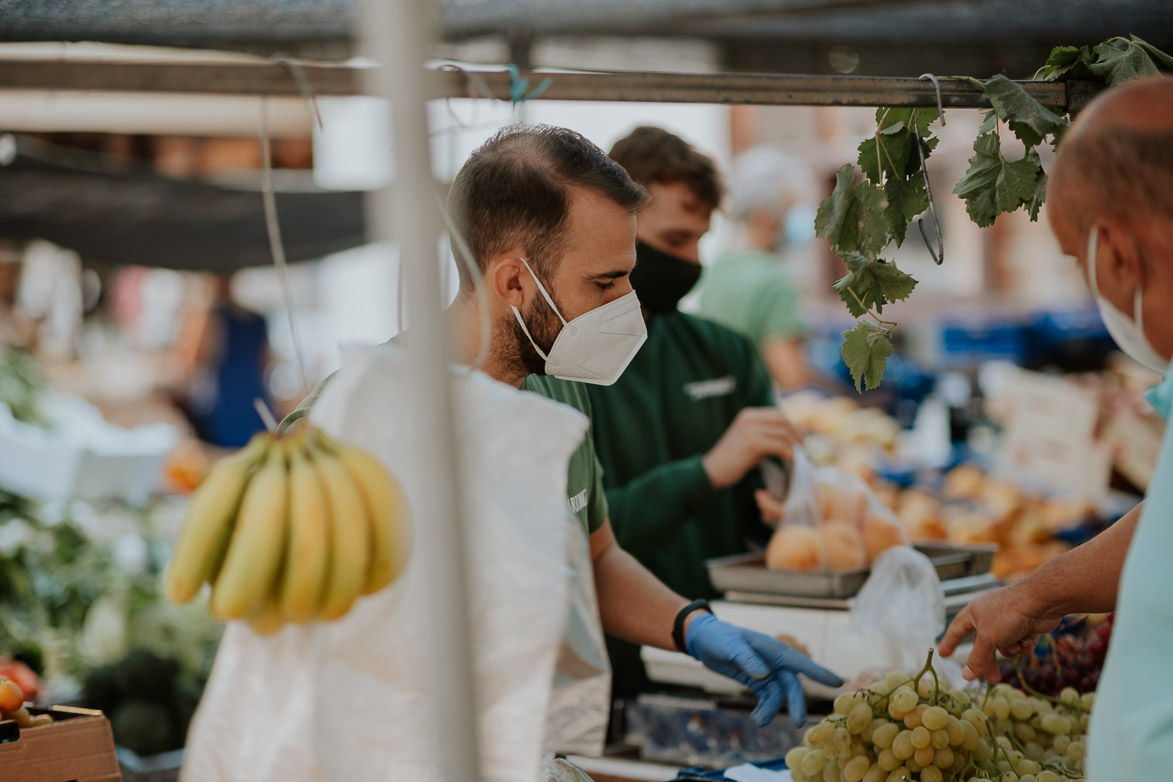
(652, 428)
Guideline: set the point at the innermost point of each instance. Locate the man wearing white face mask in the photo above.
(1110, 204)
(549, 221)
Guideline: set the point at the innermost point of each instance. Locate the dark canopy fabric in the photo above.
(287, 24)
(113, 217)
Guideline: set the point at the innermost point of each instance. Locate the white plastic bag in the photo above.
(831, 520)
(580, 703)
(901, 608)
(349, 700)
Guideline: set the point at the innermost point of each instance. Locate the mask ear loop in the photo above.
(542, 288)
(550, 301)
(1093, 246)
(464, 256)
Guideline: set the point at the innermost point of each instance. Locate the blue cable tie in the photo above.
(518, 85)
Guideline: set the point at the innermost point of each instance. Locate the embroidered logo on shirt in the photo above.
(578, 501)
(706, 389)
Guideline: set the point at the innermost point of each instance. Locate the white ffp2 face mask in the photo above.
(1127, 332)
(596, 346)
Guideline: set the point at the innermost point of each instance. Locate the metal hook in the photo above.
(937, 85)
(303, 83)
(939, 255)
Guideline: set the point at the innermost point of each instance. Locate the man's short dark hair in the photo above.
(653, 154)
(515, 191)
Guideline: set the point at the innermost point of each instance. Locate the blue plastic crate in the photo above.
(973, 341)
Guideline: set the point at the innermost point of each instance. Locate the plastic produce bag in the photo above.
(350, 699)
(580, 704)
(901, 608)
(831, 521)
(559, 770)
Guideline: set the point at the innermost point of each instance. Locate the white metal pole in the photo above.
(398, 34)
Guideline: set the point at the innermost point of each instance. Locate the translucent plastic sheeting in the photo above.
(350, 699)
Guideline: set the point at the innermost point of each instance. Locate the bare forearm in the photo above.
(634, 604)
(1085, 579)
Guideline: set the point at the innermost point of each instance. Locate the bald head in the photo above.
(1117, 161)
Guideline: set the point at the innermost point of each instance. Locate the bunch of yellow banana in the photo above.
(291, 529)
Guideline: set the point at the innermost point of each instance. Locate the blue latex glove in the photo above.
(765, 665)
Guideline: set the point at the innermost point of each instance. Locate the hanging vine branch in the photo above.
(863, 218)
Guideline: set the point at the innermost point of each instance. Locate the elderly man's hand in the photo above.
(766, 666)
(1006, 620)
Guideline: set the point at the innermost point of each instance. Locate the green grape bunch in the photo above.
(912, 729)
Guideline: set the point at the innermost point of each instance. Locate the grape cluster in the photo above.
(913, 730)
(1063, 659)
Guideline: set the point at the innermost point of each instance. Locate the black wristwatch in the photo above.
(678, 625)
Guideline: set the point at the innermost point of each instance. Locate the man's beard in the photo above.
(544, 326)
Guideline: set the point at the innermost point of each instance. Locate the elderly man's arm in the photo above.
(1010, 619)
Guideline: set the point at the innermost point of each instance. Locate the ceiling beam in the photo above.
(235, 78)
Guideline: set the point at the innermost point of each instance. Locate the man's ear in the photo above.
(1120, 254)
(506, 278)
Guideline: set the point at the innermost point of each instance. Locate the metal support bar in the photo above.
(263, 78)
(399, 34)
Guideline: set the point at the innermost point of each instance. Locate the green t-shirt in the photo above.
(751, 292)
(584, 488)
(585, 485)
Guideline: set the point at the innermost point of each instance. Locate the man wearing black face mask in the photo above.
(682, 431)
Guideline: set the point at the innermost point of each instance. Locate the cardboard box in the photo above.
(77, 747)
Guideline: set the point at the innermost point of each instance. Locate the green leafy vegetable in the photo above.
(992, 185)
(871, 284)
(866, 349)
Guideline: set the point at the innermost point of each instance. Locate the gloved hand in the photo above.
(766, 666)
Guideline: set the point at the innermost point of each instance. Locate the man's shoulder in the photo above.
(565, 391)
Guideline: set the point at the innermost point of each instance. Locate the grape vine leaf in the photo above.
(1037, 200)
(1070, 61)
(865, 351)
(892, 150)
(832, 219)
(992, 185)
(1119, 60)
(1162, 60)
(1027, 118)
(853, 216)
(871, 284)
(989, 122)
(906, 199)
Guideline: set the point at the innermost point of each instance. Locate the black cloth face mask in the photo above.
(660, 279)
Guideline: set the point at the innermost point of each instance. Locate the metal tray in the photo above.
(748, 572)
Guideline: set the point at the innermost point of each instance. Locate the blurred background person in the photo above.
(223, 349)
(750, 288)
